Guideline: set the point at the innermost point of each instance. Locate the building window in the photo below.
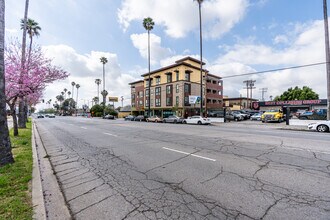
(177, 75)
(157, 91)
(220, 92)
(186, 88)
(220, 83)
(147, 92)
(141, 94)
(147, 83)
(140, 103)
(168, 101)
(177, 88)
(169, 77)
(186, 100)
(169, 89)
(157, 102)
(147, 104)
(157, 80)
(187, 76)
(152, 102)
(177, 100)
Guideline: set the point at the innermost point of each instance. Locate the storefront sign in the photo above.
(256, 105)
(194, 99)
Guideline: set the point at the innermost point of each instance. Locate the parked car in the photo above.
(197, 120)
(40, 116)
(129, 118)
(140, 118)
(234, 116)
(272, 115)
(243, 115)
(154, 118)
(109, 117)
(256, 117)
(51, 116)
(173, 119)
(322, 126)
(316, 114)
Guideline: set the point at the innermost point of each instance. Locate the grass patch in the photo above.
(15, 193)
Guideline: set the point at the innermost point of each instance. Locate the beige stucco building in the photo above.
(171, 87)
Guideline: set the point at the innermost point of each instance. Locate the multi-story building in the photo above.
(170, 88)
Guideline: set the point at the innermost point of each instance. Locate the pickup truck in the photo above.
(272, 115)
(316, 114)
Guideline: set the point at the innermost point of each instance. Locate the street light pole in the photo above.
(327, 55)
(201, 55)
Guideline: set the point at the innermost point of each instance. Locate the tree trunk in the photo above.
(6, 156)
(21, 115)
(15, 126)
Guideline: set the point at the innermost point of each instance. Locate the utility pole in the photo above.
(251, 85)
(263, 91)
(327, 55)
(247, 91)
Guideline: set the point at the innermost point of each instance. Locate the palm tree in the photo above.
(148, 24)
(104, 61)
(69, 93)
(32, 28)
(77, 86)
(201, 53)
(98, 82)
(96, 100)
(65, 90)
(6, 156)
(73, 84)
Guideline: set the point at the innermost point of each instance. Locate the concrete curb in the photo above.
(48, 200)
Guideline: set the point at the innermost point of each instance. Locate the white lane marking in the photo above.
(83, 128)
(186, 153)
(111, 134)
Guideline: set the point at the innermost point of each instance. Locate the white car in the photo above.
(197, 120)
(322, 126)
(256, 116)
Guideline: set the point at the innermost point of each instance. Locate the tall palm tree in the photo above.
(201, 53)
(77, 86)
(96, 100)
(32, 28)
(69, 93)
(6, 156)
(98, 82)
(148, 24)
(73, 84)
(65, 90)
(104, 92)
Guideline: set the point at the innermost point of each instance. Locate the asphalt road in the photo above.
(115, 169)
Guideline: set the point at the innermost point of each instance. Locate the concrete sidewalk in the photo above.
(47, 197)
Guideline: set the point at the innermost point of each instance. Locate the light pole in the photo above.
(327, 55)
(201, 54)
(77, 86)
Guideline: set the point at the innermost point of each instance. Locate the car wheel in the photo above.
(156, 121)
(175, 121)
(263, 121)
(236, 119)
(184, 122)
(140, 119)
(322, 128)
(199, 122)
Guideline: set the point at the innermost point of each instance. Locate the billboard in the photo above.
(194, 99)
(113, 99)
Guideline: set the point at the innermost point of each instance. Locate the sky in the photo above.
(239, 36)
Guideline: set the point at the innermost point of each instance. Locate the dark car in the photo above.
(129, 118)
(140, 118)
(51, 116)
(173, 119)
(40, 116)
(109, 117)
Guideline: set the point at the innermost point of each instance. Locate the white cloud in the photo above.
(306, 47)
(281, 39)
(157, 52)
(84, 69)
(220, 18)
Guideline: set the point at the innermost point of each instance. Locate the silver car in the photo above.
(173, 119)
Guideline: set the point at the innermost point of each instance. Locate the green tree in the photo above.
(148, 24)
(297, 93)
(97, 110)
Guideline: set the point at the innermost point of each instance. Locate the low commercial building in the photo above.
(238, 103)
(294, 105)
(172, 86)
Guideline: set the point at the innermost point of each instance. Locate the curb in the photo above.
(47, 198)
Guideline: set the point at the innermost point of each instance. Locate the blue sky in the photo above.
(239, 36)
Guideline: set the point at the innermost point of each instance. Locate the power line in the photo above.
(274, 70)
